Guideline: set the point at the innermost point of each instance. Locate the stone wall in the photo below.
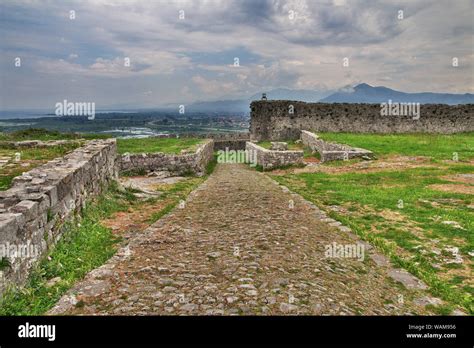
(33, 210)
(194, 162)
(232, 141)
(37, 143)
(269, 159)
(229, 144)
(332, 151)
(271, 120)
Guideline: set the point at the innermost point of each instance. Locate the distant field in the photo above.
(45, 135)
(149, 145)
(126, 123)
(416, 203)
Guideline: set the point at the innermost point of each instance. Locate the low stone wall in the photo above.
(194, 162)
(332, 151)
(269, 159)
(34, 209)
(231, 141)
(284, 119)
(229, 144)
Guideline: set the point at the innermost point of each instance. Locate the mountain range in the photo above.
(362, 93)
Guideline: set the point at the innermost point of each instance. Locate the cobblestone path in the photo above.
(237, 247)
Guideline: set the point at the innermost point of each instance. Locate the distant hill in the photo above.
(242, 105)
(220, 106)
(364, 93)
(305, 95)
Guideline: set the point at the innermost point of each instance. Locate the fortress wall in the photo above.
(34, 209)
(272, 120)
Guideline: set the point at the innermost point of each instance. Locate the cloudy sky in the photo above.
(83, 55)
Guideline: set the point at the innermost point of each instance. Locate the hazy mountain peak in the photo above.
(363, 86)
(365, 93)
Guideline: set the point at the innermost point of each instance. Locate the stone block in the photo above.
(278, 146)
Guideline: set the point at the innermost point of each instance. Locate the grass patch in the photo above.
(4, 263)
(172, 194)
(436, 146)
(211, 165)
(150, 145)
(85, 245)
(409, 233)
(45, 135)
(134, 172)
(29, 159)
(292, 145)
(158, 215)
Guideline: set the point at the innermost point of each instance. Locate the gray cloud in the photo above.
(175, 60)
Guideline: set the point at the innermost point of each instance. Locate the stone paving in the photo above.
(243, 245)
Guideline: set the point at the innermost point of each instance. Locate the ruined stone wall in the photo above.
(36, 143)
(229, 144)
(33, 210)
(194, 162)
(332, 151)
(231, 141)
(271, 120)
(269, 159)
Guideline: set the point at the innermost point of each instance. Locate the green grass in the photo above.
(292, 146)
(150, 145)
(85, 245)
(33, 156)
(212, 164)
(436, 146)
(44, 135)
(409, 237)
(173, 194)
(4, 263)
